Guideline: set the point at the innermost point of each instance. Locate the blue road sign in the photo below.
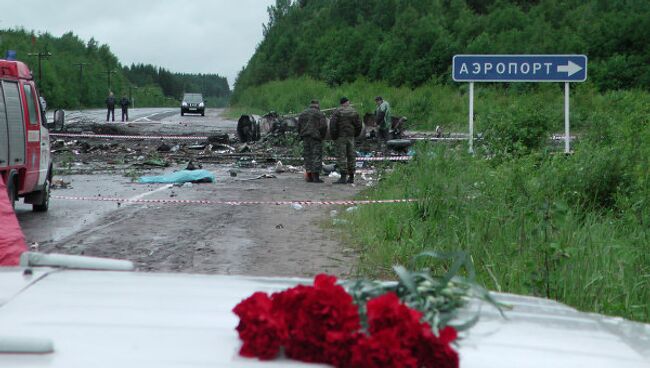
(520, 68)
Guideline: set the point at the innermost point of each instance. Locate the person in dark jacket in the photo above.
(110, 106)
(345, 125)
(124, 102)
(312, 127)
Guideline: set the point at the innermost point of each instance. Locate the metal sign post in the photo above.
(471, 117)
(520, 68)
(567, 137)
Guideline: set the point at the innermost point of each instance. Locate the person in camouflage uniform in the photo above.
(312, 127)
(384, 121)
(345, 125)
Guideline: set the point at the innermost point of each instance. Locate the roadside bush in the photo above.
(516, 131)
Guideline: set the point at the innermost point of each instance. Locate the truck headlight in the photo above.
(201, 104)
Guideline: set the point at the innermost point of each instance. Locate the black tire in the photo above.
(202, 113)
(44, 205)
(182, 113)
(11, 191)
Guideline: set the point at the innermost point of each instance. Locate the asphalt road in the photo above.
(217, 239)
(163, 121)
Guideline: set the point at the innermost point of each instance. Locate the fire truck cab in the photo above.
(25, 162)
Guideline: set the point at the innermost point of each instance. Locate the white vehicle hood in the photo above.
(130, 319)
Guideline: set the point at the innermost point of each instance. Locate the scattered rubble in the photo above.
(263, 176)
(60, 184)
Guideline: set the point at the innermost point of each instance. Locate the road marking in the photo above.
(146, 118)
(145, 194)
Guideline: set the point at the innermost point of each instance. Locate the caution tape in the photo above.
(111, 136)
(289, 158)
(380, 158)
(233, 203)
(453, 139)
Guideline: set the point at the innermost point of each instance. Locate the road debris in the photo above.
(191, 166)
(59, 184)
(263, 176)
(340, 222)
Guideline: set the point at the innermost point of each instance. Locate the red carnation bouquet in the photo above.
(371, 324)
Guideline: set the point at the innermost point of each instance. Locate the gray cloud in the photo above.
(198, 36)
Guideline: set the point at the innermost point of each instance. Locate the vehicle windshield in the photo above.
(193, 98)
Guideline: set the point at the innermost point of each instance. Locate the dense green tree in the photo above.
(409, 42)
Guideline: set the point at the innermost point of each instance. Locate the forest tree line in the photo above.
(412, 42)
(80, 73)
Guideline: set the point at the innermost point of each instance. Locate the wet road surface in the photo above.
(262, 240)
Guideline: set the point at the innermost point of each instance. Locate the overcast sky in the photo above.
(192, 36)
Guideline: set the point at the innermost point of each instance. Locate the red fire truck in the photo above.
(25, 162)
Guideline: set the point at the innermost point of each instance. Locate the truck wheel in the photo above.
(202, 113)
(11, 191)
(182, 113)
(44, 203)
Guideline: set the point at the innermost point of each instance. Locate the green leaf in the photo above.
(405, 278)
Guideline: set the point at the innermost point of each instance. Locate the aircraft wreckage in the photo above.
(252, 128)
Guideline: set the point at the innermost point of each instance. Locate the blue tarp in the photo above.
(182, 176)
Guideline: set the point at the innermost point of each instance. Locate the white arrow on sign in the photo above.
(570, 68)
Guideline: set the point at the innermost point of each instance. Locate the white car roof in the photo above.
(131, 319)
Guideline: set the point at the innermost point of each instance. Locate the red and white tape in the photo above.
(111, 136)
(381, 158)
(233, 203)
(455, 139)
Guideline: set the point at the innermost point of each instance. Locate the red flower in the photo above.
(387, 313)
(261, 333)
(310, 313)
(382, 349)
(320, 324)
(339, 347)
(435, 351)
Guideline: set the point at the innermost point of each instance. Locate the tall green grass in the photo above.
(573, 228)
(427, 106)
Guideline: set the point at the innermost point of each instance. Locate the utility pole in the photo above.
(41, 55)
(81, 70)
(131, 88)
(81, 79)
(108, 72)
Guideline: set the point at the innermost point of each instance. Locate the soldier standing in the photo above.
(110, 106)
(124, 102)
(383, 119)
(312, 127)
(345, 125)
